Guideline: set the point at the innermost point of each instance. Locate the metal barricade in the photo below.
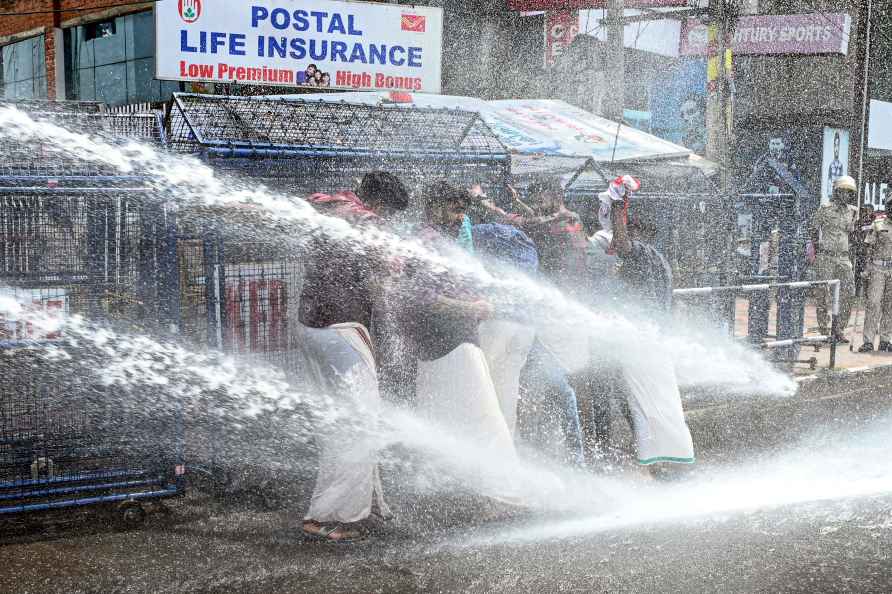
(834, 286)
(80, 238)
(303, 146)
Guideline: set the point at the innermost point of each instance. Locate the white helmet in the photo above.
(845, 183)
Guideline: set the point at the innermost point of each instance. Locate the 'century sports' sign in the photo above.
(527, 5)
(318, 43)
(815, 33)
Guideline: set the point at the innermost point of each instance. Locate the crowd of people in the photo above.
(466, 357)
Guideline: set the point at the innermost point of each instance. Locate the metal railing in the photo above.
(834, 285)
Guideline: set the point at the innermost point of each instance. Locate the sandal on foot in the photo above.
(325, 534)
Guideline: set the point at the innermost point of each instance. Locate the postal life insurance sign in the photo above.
(315, 43)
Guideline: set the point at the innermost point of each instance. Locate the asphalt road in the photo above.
(811, 514)
(833, 545)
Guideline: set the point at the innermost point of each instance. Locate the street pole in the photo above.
(614, 99)
(717, 124)
(865, 99)
(718, 130)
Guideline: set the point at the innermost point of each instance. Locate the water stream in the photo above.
(237, 392)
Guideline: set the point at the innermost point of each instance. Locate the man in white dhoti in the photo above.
(453, 386)
(506, 342)
(336, 305)
(645, 380)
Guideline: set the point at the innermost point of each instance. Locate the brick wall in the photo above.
(49, 14)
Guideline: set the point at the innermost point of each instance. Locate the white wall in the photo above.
(659, 37)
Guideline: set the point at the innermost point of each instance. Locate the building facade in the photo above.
(104, 51)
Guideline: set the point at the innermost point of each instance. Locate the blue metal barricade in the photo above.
(79, 238)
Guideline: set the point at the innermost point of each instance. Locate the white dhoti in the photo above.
(569, 344)
(506, 346)
(658, 422)
(343, 367)
(457, 394)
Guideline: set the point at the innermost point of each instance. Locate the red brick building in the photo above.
(42, 28)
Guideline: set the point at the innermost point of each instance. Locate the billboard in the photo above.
(678, 104)
(835, 163)
(561, 28)
(528, 5)
(318, 43)
(879, 130)
(797, 34)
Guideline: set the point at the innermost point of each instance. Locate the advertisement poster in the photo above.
(835, 163)
(780, 161)
(796, 34)
(54, 305)
(678, 105)
(323, 43)
(527, 5)
(879, 130)
(561, 28)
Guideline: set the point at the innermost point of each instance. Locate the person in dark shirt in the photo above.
(643, 385)
(453, 386)
(561, 245)
(337, 306)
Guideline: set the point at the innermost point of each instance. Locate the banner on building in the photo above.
(561, 28)
(527, 5)
(814, 33)
(678, 104)
(326, 43)
(41, 315)
(836, 160)
(879, 129)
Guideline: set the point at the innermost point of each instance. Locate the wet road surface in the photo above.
(830, 546)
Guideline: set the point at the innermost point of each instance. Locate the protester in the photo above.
(561, 243)
(644, 382)
(829, 231)
(453, 385)
(879, 296)
(506, 342)
(337, 301)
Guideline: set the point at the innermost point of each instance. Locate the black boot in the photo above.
(885, 347)
(867, 347)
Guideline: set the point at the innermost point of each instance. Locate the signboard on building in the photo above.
(814, 33)
(678, 104)
(879, 129)
(526, 5)
(39, 317)
(561, 28)
(835, 163)
(326, 43)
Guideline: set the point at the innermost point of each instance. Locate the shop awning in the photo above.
(539, 126)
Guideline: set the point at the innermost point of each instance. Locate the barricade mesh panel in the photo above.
(30, 156)
(78, 237)
(63, 437)
(199, 121)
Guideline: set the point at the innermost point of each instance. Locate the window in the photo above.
(113, 61)
(23, 69)
(100, 30)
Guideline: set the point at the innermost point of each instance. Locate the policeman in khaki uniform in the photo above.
(879, 290)
(831, 227)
